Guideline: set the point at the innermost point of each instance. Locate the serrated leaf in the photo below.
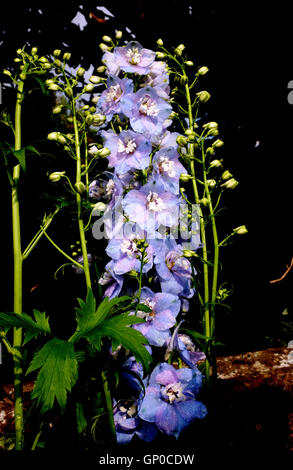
(57, 374)
(118, 328)
(88, 317)
(34, 327)
(41, 326)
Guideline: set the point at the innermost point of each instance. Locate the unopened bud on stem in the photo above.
(241, 230)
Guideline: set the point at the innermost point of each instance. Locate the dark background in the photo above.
(247, 49)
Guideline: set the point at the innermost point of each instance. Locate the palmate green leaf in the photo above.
(40, 323)
(118, 329)
(88, 317)
(57, 375)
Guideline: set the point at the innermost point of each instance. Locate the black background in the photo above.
(248, 50)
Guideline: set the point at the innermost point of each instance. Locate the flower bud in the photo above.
(66, 56)
(179, 49)
(52, 136)
(213, 132)
(226, 175)
(241, 230)
(104, 152)
(216, 164)
(185, 177)
(160, 55)
(203, 96)
(118, 34)
(46, 66)
(57, 63)
(43, 60)
(181, 141)
(80, 72)
(211, 183)
(19, 51)
(61, 139)
(17, 60)
(22, 76)
(189, 63)
(202, 70)
(210, 125)
(101, 69)
(56, 53)
(57, 110)
(160, 42)
(68, 92)
(107, 39)
(230, 184)
(95, 79)
(93, 150)
(88, 88)
(56, 176)
(103, 47)
(189, 253)
(204, 201)
(100, 207)
(218, 143)
(54, 87)
(80, 187)
(210, 151)
(7, 72)
(34, 51)
(89, 119)
(98, 119)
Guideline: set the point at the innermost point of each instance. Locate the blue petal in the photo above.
(150, 404)
(191, 409)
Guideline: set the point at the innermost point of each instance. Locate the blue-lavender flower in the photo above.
(170, 399)
(167, 169)
(128, 424)
(113, 281)
(129, 150)
(109, 102)
(164, 310)
(173, 269)
(151, 206)
(146, 110)
(131, 58)
(126, 252)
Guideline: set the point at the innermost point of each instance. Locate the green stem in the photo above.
(107, 392)
(38, 235)
(78, 201)
(216, 246)
(37, 438)
(61, 251)
(206, 296)
(17, 257)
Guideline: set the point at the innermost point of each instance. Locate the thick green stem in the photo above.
(202, 231)
(17, 257)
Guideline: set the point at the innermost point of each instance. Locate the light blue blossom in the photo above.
(129, 150)
(146, 110)
(151, 206)
(167, 169)
(170, 401)
(131, 58)
(109, 102)
(164, 310)
(113, 281)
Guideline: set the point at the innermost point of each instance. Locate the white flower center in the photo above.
(128, 146)
(133, 56)
(147, 315)
(166, 166)
(110, 187)
(129, 246)
(148, 107)
(187, 342)
(114, 93)
(173, 392)
(154, 202)
(105, 279)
